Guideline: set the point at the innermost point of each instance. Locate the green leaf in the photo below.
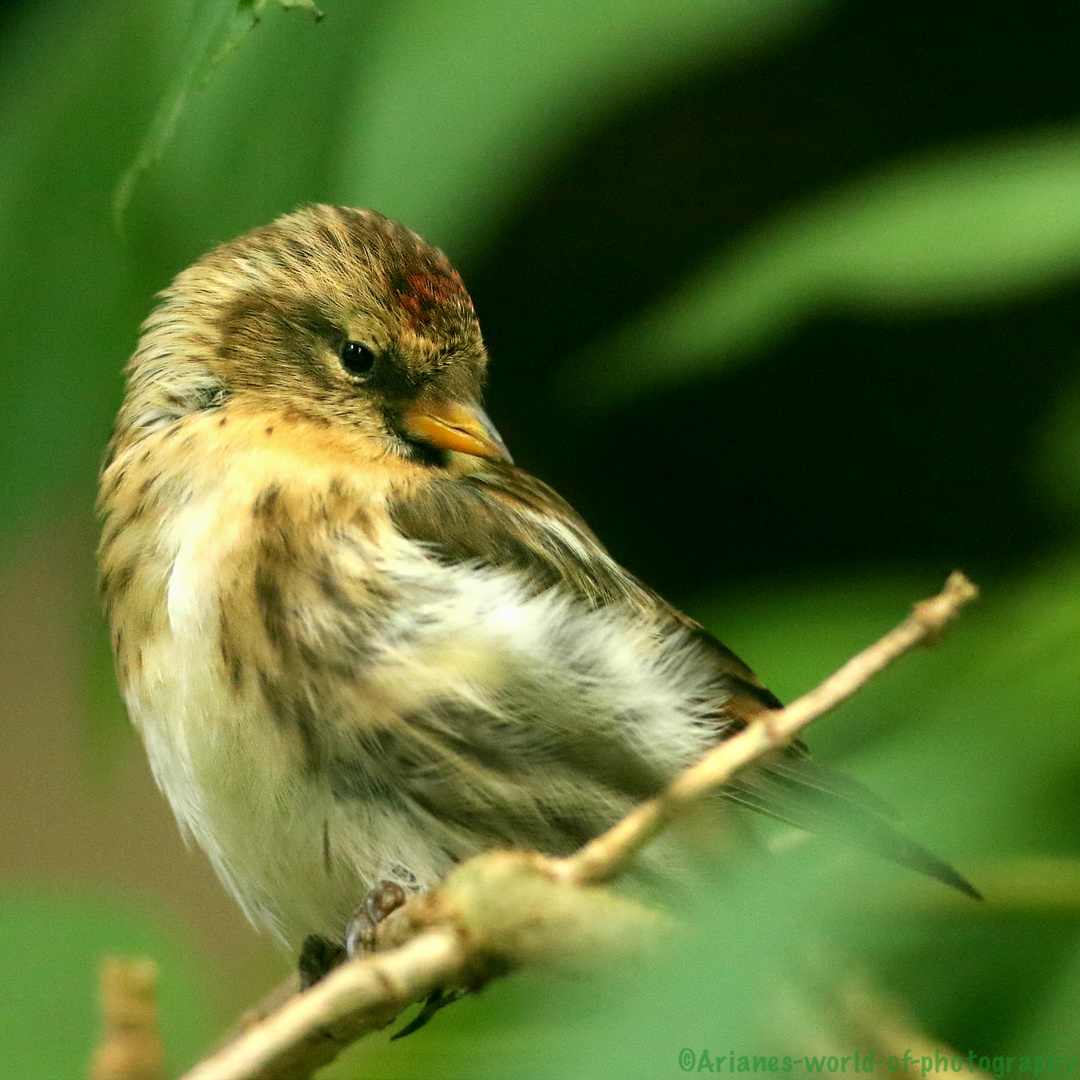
(976, 739)
(951, 228)
(713, 987)
(66, 314)
(1058, 464)
(217, 28)
(462, 106)
(77, 82)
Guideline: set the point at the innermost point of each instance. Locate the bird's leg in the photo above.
(318, 957)
(384, 898)
(360, 932)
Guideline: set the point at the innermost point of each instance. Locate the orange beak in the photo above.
(447, 425)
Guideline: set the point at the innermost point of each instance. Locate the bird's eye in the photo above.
(356, 358)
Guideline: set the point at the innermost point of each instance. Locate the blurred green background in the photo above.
(783, 295)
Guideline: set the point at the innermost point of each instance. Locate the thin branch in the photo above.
(878, 1021)
(833, 1006)
(130, 1047)
(312, 1028)
(498, 910)
(606, 856)
(507, 909)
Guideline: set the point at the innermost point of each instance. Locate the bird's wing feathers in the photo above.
(814, 797)
(504, 518)
(468, 694)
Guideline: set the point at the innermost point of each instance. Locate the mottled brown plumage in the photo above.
(358, 642)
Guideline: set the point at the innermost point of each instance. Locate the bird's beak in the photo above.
(449, 425)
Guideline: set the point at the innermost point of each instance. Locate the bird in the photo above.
(360, 645)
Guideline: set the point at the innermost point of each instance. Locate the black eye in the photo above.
(356, 359)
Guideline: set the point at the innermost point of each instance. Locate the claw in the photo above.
(385, 897)
(437, 999)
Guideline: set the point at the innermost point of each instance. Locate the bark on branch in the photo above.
(130, 1047)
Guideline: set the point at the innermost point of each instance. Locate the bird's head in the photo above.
(339, 316)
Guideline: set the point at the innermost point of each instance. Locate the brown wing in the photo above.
(504, 517)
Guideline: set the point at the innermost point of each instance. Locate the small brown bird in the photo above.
(359, 644)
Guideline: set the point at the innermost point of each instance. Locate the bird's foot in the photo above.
(360, 933)
(318, 957)
(437, 999)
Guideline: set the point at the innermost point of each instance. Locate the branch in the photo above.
(507, 909)
(130, 1047)
(609, 854)
(499, 910)
(833, 1005)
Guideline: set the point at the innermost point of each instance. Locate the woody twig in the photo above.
(130, 1047)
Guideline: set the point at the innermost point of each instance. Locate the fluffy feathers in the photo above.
(356, 653)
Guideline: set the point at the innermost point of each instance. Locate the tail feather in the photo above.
(811, 796)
